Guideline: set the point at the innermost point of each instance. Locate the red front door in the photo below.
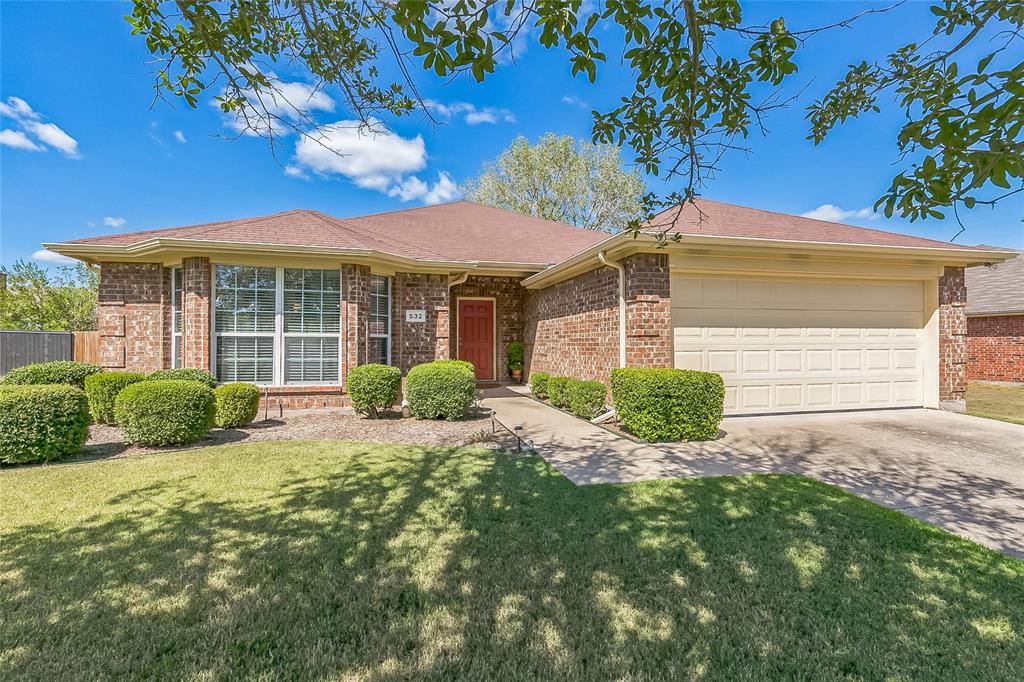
(476, 336)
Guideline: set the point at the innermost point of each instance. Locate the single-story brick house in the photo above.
(796, 314)
(995, 321)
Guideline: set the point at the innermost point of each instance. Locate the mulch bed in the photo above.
(475, 430)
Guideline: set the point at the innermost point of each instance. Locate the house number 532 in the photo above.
(415, 315)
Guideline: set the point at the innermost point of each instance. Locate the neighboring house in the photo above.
(796, 314)
(995, 322)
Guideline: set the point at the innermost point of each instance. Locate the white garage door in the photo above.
(789, 345)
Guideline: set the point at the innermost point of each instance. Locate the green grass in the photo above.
(351, 561)
(995, 401)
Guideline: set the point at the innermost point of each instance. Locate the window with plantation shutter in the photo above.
(379, 350)
(176, 324)
(276, 325)
(312, 321)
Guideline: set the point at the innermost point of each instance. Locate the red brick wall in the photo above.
(355, 304)
(195, 312)
(134, 304)
(413, 343)
(952, 335)
(572, 327)
(301, 398)
(648, 311)
(995, 348)
(508, 311)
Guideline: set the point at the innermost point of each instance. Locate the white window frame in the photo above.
(179, 306)
(280, 349)
(387, 280)
(278, 334)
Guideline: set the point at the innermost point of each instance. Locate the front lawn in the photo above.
(330, 560)
(996, 401)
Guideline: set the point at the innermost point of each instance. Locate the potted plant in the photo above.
(514, 361)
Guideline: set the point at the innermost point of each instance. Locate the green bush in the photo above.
(237, 404)
(668, 404)
(41, 423)
(183, 374)
(442, 389)
(539, 384)
(58, 372)
(557, 391)
(102, 390)
(170, 412)
(373, 388)
(585, 398)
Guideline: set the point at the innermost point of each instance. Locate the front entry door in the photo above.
(476, 336)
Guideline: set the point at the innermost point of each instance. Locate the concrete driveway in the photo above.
(962, 473)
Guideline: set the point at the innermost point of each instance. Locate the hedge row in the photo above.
(585, 399)
(171, 412)
(373, 388)
(57, 372)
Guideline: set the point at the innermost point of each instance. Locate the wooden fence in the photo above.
(19, 347)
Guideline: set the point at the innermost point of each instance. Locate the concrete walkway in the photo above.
(962, 473)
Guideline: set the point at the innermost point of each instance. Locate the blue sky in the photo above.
(125, 162)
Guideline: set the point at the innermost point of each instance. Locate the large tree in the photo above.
(32, 298)
(702, 78)
(559, 179)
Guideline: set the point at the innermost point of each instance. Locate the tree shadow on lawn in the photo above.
(329, 560)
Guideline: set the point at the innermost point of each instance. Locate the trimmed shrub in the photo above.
(57, 372)
(41, 423)
(585, 398)
(170, 412)
(539, 384)
(442, 389)
(102, 389)
(668, 404)
(557, 394)
(183, 374)
(373, 388)
(237, 404)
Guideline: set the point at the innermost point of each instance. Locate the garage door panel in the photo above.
(851, 345)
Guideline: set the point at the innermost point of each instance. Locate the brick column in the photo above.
(648, 311)
(195, 312)
(415, 342)
(952, 335)
(133, 306)
(355, 306)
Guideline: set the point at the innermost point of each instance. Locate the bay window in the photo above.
(280, 326)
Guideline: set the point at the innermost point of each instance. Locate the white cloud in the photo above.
(17, 108)
(470, 113)
(374, 159)
(411, 188)
(51, 257)
(295, 172)
(179, 136)
(575, 101)
(18, 140)
(50, 134)
(31, 125)
(111, 221)
(277, 110)
(835, 214)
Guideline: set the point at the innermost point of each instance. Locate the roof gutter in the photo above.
(622, 303)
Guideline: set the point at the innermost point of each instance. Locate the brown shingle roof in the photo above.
(729, 220)
(998, 289)
(459, 231)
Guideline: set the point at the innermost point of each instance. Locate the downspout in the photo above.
(622, 324)
(622, 304)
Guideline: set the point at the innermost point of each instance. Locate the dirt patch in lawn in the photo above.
(475, 430)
